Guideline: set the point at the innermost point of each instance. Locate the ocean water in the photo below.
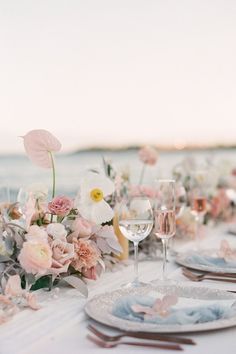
(17, 171)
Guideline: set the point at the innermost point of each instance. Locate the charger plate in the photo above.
(99, 308)
(184, 260)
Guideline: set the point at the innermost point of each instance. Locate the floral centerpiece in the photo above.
(220, 193)
(47, 241)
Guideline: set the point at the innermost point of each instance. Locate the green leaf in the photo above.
(43, 282)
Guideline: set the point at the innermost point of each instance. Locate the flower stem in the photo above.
(142, 174)
(53, 178)
(53, 175)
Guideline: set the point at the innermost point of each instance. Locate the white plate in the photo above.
(182, 259)
(100, 307)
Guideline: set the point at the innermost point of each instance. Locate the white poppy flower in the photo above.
(90, 200)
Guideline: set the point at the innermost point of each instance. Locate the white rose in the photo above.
(36, 233)
(57, 231)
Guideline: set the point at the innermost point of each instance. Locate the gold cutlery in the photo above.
(141, 335)
(226, 277)
(103, 344)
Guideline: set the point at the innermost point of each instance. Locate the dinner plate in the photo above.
(100, 307)
(184, 260)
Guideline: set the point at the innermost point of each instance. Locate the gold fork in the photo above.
(210, 276)
(107, 345)
(140, 335)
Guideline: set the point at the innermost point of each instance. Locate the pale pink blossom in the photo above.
(220, 204)
(13, 289)
(60, 206)
(226, 251)
(148, 155)
(36, 233)
(81, 227)
(7, 309)
(13, 286)
(57, 231)
(86, 254)
(35, 257)
(39, 144)
(160, 307)
(62, 255)
(139, 191)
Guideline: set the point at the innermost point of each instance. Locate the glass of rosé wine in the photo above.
(165, 218)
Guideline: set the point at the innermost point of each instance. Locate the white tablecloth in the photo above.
(60, 326)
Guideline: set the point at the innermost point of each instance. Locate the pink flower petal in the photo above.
(32, 301)
(38, 143)
(142, 309)
(13, 286)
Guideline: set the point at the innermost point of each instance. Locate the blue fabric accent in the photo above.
(209, 261)
(188, 315)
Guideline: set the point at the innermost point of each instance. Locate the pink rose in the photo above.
(60, 206)
(35, 257)
(86, 255)
(62, 255)
(90, 273)
(81, 227)
(148, 155)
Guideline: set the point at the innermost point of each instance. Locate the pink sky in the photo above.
(118, 72)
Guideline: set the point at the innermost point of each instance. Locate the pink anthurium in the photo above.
(39, 145)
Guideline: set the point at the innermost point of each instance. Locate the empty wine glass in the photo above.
(198, 196)
(135, 217)
(165, 223)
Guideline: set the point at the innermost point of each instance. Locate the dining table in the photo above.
(60, 325)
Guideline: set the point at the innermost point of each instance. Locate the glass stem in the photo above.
(198, 224)
(165, 245)
(136, 280)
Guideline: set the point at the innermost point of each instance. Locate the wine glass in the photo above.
(180, 205)
(165, 223)
(135, 217)
(198, 200)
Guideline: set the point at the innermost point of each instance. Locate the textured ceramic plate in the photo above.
(99, 308)
(183, 259)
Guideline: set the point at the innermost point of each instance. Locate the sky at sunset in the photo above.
(118, 72)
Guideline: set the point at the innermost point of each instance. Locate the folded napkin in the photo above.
(179, 314)
(209, 261)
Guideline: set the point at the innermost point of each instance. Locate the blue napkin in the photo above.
(209, 261)
(188, 315)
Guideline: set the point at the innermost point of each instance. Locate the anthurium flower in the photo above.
(39, 144)
(90, 201)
